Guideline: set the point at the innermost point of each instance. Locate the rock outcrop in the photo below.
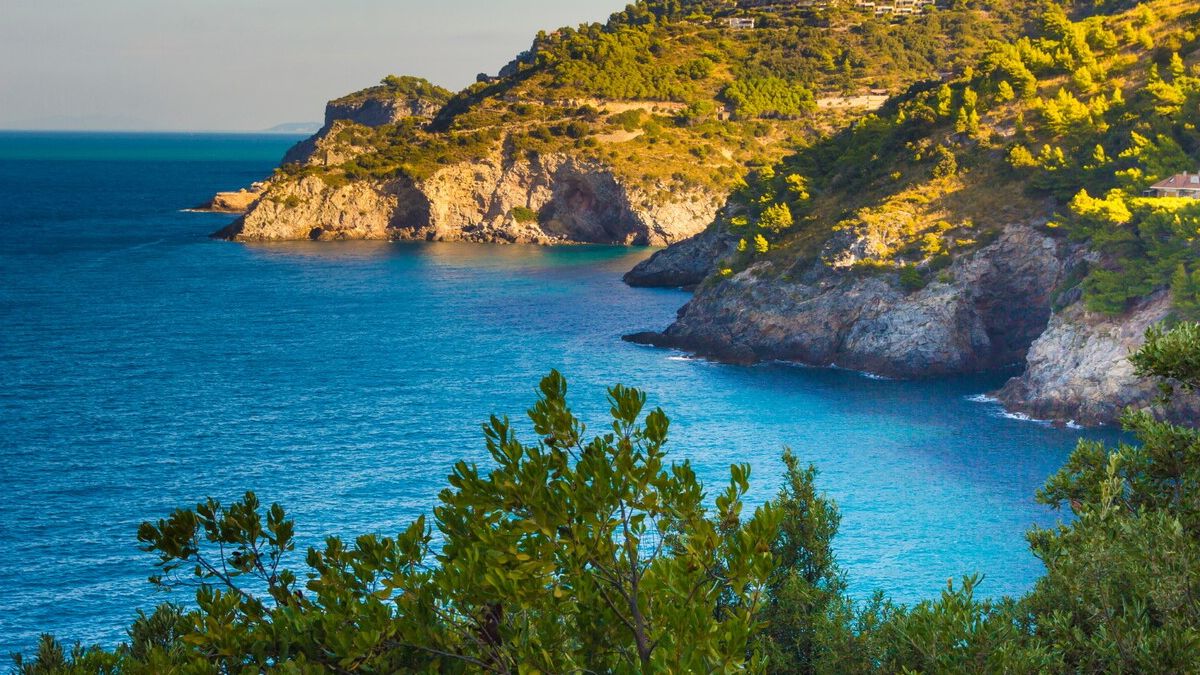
(374, 107)
(985, 313)
(1079, 368)
(685, 264)
(992, 309)
(308, 208)
(548, 199)
(238, 201)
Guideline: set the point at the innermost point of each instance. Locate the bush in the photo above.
(767, 97)
(523, 214)
(911, 278)
(947, 163)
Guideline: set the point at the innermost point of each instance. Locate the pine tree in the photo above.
(1185, 293)
(1004, 92)
(1176, 67)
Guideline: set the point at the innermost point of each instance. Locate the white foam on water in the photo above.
(1019, 416)
(1022, 417)
(793, 364)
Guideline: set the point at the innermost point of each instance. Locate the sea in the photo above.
(145, 366)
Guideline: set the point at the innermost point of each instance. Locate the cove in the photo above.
(145, 367)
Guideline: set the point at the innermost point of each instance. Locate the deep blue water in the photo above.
(144, 366)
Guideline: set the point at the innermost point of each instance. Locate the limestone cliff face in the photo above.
(575, 201)
(992, 306)
(234, 201)
(309, 209)
(1079, 368)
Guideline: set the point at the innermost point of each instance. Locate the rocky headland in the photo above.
(982, 314)
(544, 200)
(975, 218)
(233, 201)
(498, 195)
(992, 309)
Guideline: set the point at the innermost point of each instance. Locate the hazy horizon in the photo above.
(142, 65)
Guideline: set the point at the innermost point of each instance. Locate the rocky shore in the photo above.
(990, 309)
(504, 197)
(544, 200)
(984, 315)
(236, 201)
(1079, 369)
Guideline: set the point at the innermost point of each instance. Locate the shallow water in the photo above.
(144, 366)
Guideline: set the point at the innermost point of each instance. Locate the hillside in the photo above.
(555, 147)
(997, 217)
(952, 191)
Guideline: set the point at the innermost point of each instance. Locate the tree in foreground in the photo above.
(1122, 587)
(566, 555)
(598, 556)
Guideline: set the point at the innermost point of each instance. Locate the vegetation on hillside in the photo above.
(399, 86)
(1082, 114)
(1002, 112)
(577, 553)
(669, 79)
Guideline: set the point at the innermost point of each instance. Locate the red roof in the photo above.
(1183, 181)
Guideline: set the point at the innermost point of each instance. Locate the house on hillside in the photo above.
(1180, 185)
(895, 7)
(740, 24)
(877, 7)
(783, 4)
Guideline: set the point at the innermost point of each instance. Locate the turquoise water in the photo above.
(144, 366)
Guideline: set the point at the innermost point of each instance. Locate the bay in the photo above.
(144, 366)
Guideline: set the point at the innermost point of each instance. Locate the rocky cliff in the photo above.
(982, 313)
(685, 264)
(1079, 369)
(990, 309)
(543, 199)
(234, 201)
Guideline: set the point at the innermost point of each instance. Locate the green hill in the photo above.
(1083, 114)
(994, 217)
(673, 81)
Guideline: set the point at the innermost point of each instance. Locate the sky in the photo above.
(245, 65)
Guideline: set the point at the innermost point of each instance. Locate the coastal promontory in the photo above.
(949, 191)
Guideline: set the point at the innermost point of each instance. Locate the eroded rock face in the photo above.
(238, 201)
(995, 304)
(1079, 368)
(684, 264)
(575, 201)
(310, 209)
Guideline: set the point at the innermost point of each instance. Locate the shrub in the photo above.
(947, 163)
(523, 214)
(911, 278)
